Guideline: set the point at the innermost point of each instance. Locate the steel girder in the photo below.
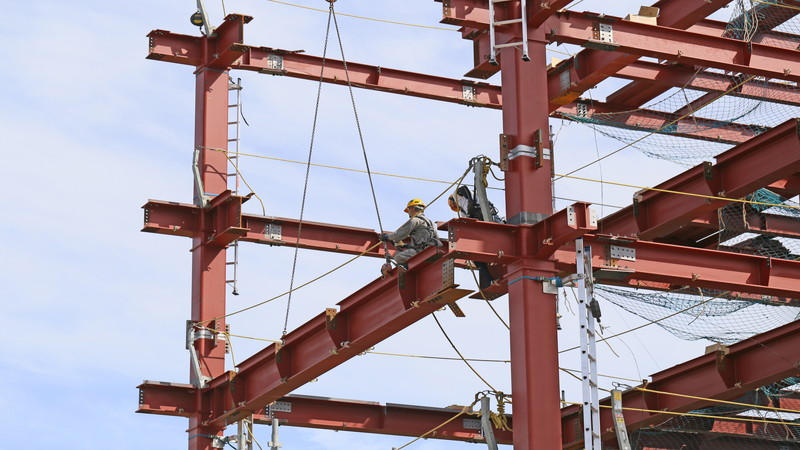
(765, 159)
(672, 44)
(467, 92)
(505, 244)
(770, 16)
(726, 374)
(676, 124)
(584, 70)
(365, 318)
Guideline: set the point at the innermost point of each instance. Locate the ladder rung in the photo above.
(501, 1)
(233, 140)
(510, 44)
(233, 105)
(507, 22)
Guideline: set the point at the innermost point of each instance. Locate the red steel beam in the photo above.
(676, 45)
(724, 375)
(727, 374)
(365, 318)
(641, 91)
(654, 262)
(461, 91)
(658, 78)
(673, 124)
(767, 158)
(180, 219)
(589, 67)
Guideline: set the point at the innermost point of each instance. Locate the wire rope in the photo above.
(365, 18)
(295, 289)
(459, 353)
(308, 171)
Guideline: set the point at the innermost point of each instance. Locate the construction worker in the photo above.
(466, 205)
(417, 234)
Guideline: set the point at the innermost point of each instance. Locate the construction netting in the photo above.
(694, 313)
(763, 420)
(715, 109)
(740, 223)
(712, 112)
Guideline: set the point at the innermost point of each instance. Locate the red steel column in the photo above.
(208, 262)
(534, 344)
(525, 116)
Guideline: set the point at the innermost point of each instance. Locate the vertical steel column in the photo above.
(208, 262)
(525, 123)
(534, 358)
(534, 345)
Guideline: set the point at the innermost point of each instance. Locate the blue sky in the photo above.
(92, 129)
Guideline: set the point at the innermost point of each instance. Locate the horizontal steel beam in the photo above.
(672, 44)
(671, 124)
(657, 78)
(770, 16)
(740, 171)
(726, 374)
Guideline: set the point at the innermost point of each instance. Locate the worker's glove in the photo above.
(383, 237)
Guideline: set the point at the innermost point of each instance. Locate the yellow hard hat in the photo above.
(414, 202)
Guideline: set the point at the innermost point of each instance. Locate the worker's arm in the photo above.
(404, 231)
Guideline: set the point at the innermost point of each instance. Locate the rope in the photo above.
(241, 177)
(348, 169)
(407, 355)
(706, 416)
(365, 18)
(477, 283)
(777, 4)
(690, 194)
(768, 408)
(652, 322)
(308, 170)
(654, 131)
(298, 287)
(465, 410)
(459, 353)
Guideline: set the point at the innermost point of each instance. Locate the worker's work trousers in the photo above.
(404, 255)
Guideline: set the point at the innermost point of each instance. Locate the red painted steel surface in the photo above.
(365, 318)
(676, 45)
(767, 158)
(673, 124)
(641, 91)
(724, 375)
(389, 305)
(208, 262)
(752, 363)
(588, 67)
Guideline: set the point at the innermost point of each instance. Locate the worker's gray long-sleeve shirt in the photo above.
(415, 228)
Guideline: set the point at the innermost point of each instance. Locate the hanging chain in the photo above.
(358, 123)
(308, 170)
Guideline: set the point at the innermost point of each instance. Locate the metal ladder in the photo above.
(234, 115)
(492, 24)
(586, 301)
